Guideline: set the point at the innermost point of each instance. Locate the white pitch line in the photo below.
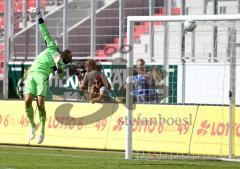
(60, 155)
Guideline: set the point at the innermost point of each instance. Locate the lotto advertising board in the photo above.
(158, 128)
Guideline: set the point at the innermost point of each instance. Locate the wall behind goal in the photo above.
(207, 83)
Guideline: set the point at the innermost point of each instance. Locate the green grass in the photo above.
(34, 158)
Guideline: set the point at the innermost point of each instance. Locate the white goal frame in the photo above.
(129, 98)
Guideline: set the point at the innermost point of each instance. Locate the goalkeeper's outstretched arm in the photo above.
(47, 37)
(43, 28)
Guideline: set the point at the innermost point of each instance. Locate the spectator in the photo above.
(93, 70)
(99, 92)
(144, 85)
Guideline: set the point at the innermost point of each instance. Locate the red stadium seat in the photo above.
(141, 29)
(117, 41)
(1, 47)
(111, 48)
(2, 70)
(18, 6)
(2, 6)
(159, 11)
(176, 11)
(32, 3)
(145, 23)
(136, 36)
(100, 53)
(2, 23)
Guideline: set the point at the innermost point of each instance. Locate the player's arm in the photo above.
(61, 75)
(106, 82)
(44, 30)
(93, 93)
(84, 83)
(97, 98)
(59, 68)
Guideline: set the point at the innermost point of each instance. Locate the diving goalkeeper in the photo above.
(49, 61)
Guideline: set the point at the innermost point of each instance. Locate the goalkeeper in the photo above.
(49, 61)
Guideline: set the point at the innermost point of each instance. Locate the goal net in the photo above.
(182, 87)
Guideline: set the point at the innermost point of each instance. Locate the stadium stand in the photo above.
(79, 26)
(139, 30)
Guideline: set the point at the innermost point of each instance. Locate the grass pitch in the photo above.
(12, 157)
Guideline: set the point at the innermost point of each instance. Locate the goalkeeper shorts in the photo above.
(36, 84)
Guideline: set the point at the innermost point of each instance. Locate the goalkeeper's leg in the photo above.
(42, 117)
(29, 108)
(42, 85)
(30, 90)
(30, 114)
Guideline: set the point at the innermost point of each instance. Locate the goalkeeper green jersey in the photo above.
(44, 62)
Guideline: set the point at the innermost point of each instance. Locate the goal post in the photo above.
(227, 62)
(232, 92)
(129, 88)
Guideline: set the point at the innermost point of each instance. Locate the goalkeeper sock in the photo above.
(42, 117)
(30, 114)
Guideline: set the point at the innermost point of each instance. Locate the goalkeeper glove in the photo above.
(33, 11)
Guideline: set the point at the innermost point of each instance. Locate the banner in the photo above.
(67, 89)
(158, 128)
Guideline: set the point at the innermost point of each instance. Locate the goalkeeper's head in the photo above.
(66, 56)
